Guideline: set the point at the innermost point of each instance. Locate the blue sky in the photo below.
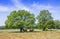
(34, 6)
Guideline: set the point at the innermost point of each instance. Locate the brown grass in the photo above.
(4, 34)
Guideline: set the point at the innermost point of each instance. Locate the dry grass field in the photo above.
(14, 34)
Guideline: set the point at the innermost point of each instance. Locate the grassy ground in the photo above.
(14, 34)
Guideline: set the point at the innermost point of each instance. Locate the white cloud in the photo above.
(18, 5)
(2, 20)
(3, 8)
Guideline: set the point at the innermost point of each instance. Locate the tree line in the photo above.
(23, 20)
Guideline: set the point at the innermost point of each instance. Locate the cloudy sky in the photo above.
(34, 6)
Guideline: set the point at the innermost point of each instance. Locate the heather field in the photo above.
(15, 34)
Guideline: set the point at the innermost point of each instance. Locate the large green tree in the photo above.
(44, 19)
(20, 19)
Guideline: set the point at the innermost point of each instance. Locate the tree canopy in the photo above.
(20, 18)
(44, 19)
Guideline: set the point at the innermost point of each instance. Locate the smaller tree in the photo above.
(43, 19)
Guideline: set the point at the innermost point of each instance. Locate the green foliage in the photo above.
(44, 19)
(2, 27)
(24, 19)
(56, 24)
(20, 18)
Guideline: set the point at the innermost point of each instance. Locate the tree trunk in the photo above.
(21, 29)
(44, 29)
